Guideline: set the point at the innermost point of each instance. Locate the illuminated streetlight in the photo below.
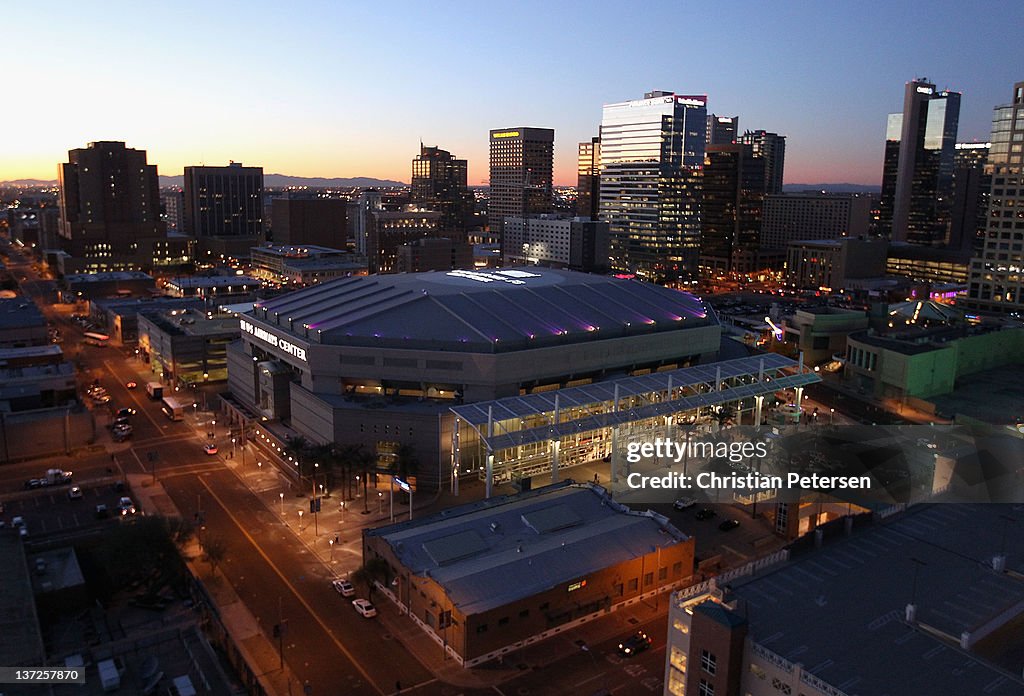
(300, 520)
(282, 503)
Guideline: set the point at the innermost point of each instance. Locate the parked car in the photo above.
(705, 514)
(125, 412)
(684, 503)
(33, 483)
(729, 525)
(636, 643)
(74, 493)
(102, 512)
(364, 607)
(343, 587)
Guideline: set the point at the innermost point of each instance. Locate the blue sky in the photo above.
(349, 88)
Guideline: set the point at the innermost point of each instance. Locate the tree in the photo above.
(374, 570)
(214, 550)
(723, 414)
(298, 448)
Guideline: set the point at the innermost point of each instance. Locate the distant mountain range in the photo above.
(832, 188)
(269, 180)
(29, 182)
(284, 181)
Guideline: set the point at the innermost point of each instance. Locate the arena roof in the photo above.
(475, 311)
(492, 552)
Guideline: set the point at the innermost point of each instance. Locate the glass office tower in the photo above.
(997, 276)
(917, 178)
(652, 154)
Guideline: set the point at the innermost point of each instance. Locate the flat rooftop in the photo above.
(22, 643)
(235, 281)
(492, 552)
(109, 277)
(298, 251)
(840, 609)
(20, 313)
(193, 323)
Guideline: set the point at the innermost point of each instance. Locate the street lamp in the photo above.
(331, 542)
(380, 503)
(831, 415)
(232, 448)
(342, 506)
(282, 503)
(300, 520)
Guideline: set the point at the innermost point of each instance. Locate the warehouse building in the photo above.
(489, 577)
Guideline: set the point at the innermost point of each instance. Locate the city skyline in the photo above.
(318, 95)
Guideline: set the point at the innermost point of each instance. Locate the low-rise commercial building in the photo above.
(187, 347)
(93, 286)
(926, 604)
(118, 318)
(489, 577)
(830, 264)
(434, 254)
(820, 332)
(219, 288)
(21, 324)
(922, 362)
(579, 244)
(301, 265)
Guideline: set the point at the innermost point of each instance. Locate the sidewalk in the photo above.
(241, 626)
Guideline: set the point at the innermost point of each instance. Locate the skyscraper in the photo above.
(732, 209)
(771, 148)
(996, 276)
(918, 172)
(224, 208)
(588, 182)
(439, 183)
(972, 186)
(652, 153)
(109, 208)
(522, 166)
(722, 130)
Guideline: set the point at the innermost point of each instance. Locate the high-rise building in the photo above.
(172, 202)
(971, 188)
(224, 208)
(996, 275)
(792, 217)
(588, 182)
(522, 167)
(109, 208)
(387, 230)
(731, 212)
(652, 153)
(302, 218)
(771, 148)
(722, 130)
(917, 174)
(579, 244)
(439, 183)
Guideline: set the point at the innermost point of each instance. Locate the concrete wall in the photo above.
(51, 431)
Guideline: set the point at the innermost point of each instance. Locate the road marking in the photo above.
(131, 396)
(588, 679)
(291, 587)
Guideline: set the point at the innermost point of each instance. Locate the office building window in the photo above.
(708, 662)
(705, 688)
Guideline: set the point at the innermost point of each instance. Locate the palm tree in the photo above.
(722, 414)
(374, 570)
(297, 447)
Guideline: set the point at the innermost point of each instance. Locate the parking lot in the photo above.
(49, 510)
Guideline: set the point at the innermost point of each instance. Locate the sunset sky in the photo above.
(350, 88)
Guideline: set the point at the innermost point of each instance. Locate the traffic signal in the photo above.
(312, 505)
(318, 501)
